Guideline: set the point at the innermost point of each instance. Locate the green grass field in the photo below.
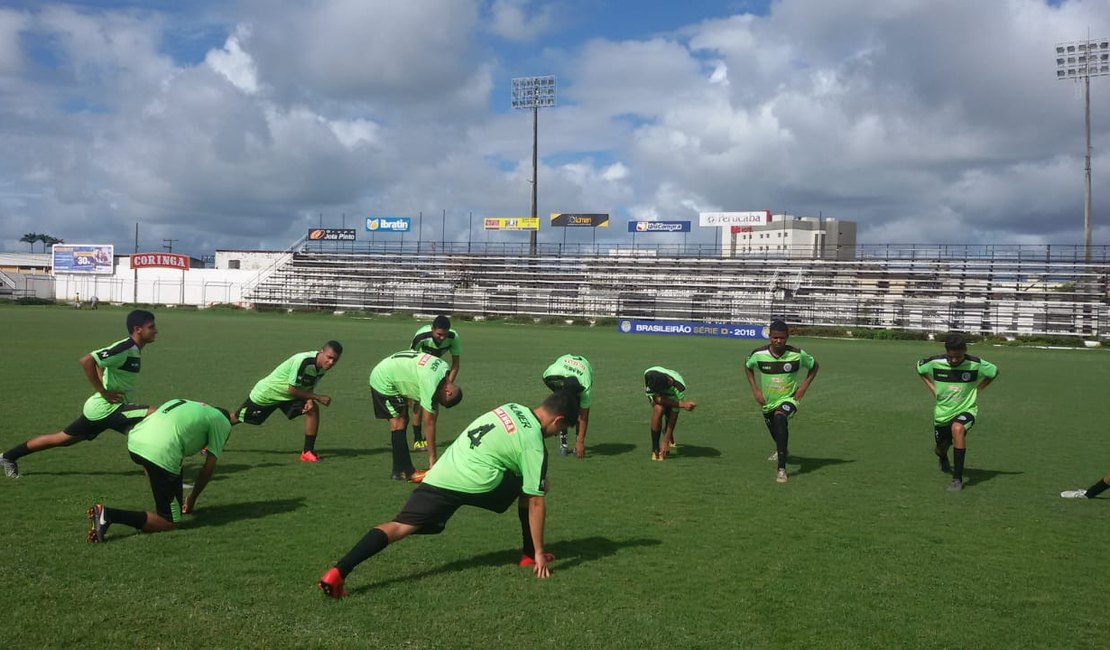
(863, 548)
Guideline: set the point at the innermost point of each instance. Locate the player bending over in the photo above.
(500, 458)
(665, 390)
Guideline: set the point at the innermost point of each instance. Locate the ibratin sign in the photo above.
(160, 260)
(576, 220)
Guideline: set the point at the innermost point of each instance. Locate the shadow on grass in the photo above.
(685, 450)
(223, 469)
(610, 449)
(218, 515)
(974, 476)
(807, 465)
(137, 471)
(323, 452)
(569, 553)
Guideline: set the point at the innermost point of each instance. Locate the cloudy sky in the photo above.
(239, 124)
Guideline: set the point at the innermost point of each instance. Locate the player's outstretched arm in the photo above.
(536, 514)
(201, 482)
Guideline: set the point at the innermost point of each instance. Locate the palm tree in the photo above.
(30, 238)
(48, 240)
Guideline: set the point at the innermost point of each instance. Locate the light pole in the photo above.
(1081, 60)
(533, 93)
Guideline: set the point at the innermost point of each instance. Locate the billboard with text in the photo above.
(511, 223)
(388, 224)
(721, 219)
(83, 258)
(658, 226)
(579, 220)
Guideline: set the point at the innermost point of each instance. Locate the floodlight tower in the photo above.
(533, 93)
(1081, 60)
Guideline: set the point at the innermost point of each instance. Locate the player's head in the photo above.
(449, 394)
(441, 327)
(227, 414)
(329, 355)
(779, 333)
(955, 348)
(657, 382)
(140, 322)
(558, 412)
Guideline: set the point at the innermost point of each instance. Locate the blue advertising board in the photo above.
(388, 224)
(83, 258)
(687, 328)
(658, 226)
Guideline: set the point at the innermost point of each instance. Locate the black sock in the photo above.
(17, 452)
(133, 518)
(529, 549)
(781, 435)
(402, 461)
(958, 463)
(417, 433)
(309, 443)
(655, 440)
(1097, 489)
(370, 545)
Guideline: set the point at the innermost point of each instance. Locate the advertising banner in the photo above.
(576, 220)
(388, 224)
(160, 261)
(686, 328)
(735, 230)
(331, 234)
(658, 226)
(82, 258)
(717, 219)
(511, 223)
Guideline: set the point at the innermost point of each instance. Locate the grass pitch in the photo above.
(863, 548)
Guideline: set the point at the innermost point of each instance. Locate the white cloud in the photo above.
(235, 64)
(510, 19)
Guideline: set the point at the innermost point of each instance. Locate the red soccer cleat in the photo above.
(332, 584)
(528, 560)
(309, 457)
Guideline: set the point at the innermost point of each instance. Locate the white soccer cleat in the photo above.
(780, 477)
(1074, 494)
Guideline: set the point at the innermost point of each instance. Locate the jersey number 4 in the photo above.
(477, 433)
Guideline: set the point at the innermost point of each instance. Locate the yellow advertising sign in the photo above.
(511, 223)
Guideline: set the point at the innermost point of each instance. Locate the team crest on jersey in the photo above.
(506, 420)
(787, 367)
(966, 376)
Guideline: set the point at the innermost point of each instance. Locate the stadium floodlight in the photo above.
(533, 93)
(1081, 60)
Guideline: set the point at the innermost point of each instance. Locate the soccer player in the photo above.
(1098, 488)
(665, 390)
(159, 444)
(780, 386)
(422, 378)
(955, 379)
(291, 387)
(500, 458)
(435, 339)
(573, 373)
(113, 372)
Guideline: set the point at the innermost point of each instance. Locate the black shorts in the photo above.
(557, 383)
(166, 487)
(252, 413)
(121, 419)
(941, 431)
(387, 407)
(429, 507)
(788, 409)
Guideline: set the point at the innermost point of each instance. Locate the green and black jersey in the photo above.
(413, 375)
(655, 378)
(422, 341)
(779, 377)
(507, 439)
(298, 370)
(121, 362)
(957, 387)
(573, 365)
(179, 428)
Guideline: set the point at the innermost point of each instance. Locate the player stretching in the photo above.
(290, 387)
(500, 458)
(113, 371)
(955, 379)
(573, 373)
(779, 391)
(665, 390)
(159, 444)
(421, 378)
(435, 339)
